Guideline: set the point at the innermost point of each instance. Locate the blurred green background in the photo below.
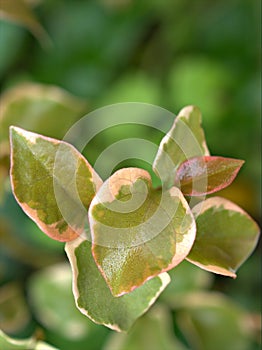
(60, 59)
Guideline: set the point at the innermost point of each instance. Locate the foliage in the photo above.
(162, 52)
(137, 232)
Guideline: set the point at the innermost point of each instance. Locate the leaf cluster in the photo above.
(121, 252)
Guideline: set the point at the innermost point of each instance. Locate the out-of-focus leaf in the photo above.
(20, 12)
(205, 175)
(44, 109)
(14, 314)
(47, 110)
(51, 295)
(226, 236)
(93, 297)
(137, 231)
(184, 140)
(7, 343)
(211, 321)
(53, 183)
(153, 331)
(185, 278)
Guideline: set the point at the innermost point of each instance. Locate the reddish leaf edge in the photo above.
(206, 159)
(71, 234)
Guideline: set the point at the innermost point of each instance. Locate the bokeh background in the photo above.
(60, 59)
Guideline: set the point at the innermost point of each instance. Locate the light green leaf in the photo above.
(184, 140)
(93, 297)
(52, 182)
(53, 302)
(153, 331)
(7, 343)
(137, 231)
(226, 236)
(211, 321)
(20, 12)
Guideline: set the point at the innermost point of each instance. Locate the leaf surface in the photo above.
(93, 297)
(226, 236)
(205, 175)
(186, 139)
(52, 182)
(137, 231)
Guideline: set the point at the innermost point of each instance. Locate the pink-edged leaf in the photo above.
(204, 175)
(52, 182)
(138, 231)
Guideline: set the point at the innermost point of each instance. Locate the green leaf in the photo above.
(184, 140)
(7, 343)
(53, 303)
(20, 12)
(204, 175)
(212, 321)
(226, 236)
(152, 331)
(93, 297)
(52, 182)
(137, 231)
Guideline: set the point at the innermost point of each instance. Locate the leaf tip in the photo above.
(15, 130)
(190, 110)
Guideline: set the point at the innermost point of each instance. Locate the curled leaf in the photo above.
(53, 183)
(226, 236)
(137, 231)
(205, 175)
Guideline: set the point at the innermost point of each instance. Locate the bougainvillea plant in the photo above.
(122, 236)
